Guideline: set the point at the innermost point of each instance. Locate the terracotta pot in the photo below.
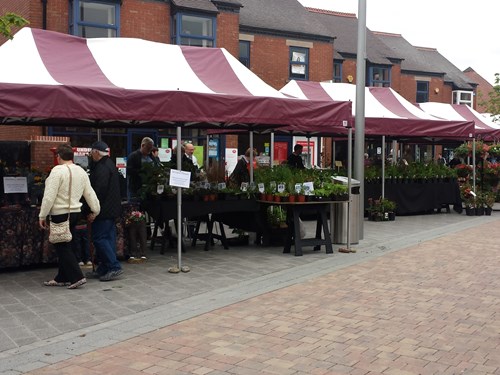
(291, 198)
(301, 198)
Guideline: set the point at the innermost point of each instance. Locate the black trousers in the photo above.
(69, 270)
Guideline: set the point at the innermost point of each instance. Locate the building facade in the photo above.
(279, 42)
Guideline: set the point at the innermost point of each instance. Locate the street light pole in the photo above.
(359, 139)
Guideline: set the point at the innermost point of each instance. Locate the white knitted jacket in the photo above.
(56, 194)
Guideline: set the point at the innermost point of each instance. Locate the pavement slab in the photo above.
(416, 297)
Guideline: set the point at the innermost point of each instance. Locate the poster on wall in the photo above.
(280, 152)
(307, 151)
(165, 154)
(213, 148)
(121, 165)
(231, 159)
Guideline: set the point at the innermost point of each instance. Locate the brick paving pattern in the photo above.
(431, 308)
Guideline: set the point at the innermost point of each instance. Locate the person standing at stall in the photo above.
(189, 152)
(104, 178)
(64, 187)
(134, 165)
(295, 158)
(241, 172)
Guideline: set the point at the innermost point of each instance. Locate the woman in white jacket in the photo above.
(55, 203)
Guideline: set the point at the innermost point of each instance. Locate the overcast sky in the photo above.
(465, 32)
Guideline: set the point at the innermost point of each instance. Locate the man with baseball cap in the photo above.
(105, 180)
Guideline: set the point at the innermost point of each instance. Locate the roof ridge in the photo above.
(331, 12)
(431, 49)
(386, 33)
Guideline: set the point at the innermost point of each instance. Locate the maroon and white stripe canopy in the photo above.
(53, 78)
(484, 127)
(386, 112)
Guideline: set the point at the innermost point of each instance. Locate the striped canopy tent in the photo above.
(48, 78)
(386, 112)
(485, 128)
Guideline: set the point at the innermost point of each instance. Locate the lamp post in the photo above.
(359, 139)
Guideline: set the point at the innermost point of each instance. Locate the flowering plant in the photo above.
(135, 217)
(463, 170)
(468, 196)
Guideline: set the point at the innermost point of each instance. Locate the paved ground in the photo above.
(431, 307)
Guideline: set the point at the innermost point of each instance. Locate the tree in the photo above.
(8, 21)
(493, 104)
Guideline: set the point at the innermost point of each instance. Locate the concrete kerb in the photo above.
(42, 353)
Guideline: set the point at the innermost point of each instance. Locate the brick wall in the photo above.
(19, 133)
(41, 155)
(227, 32)
(269, 59)
(148, 20)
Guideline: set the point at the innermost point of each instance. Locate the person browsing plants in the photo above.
(105, 180)
(64, 187)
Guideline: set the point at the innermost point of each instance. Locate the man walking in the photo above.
(104, 178)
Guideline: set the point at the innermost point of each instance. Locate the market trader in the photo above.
(134, 164)
(295, 158)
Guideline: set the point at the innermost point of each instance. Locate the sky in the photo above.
(465, 32)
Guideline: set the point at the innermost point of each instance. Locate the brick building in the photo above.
(278, 40)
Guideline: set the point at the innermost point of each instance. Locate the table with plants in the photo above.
(410, 189)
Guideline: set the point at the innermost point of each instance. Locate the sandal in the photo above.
(78, 283)
(54, 283)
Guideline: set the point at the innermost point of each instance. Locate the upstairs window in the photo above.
(379, 77)
(337, 72)
(463, 97)
(94, 18)
(299, 63)
(245, 53)
(422, 91)
(193, 30)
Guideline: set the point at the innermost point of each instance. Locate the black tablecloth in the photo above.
(417, 197)
(23, 243)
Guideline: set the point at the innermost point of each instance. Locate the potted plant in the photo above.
(468, 199)
(489, 201)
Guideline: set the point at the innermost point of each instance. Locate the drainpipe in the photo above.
(44, 14)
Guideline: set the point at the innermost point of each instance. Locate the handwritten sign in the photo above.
(179, 178)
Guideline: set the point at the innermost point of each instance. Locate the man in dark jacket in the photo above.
(134, 165)
(295, 160)
(105, 180)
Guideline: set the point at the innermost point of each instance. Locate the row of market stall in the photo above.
(48, 78)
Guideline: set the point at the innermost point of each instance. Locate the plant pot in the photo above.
(392, 216)
(487, 211)
(479, 211)
(292, 198)
(276, 198)
(469, 211)
(301, 198)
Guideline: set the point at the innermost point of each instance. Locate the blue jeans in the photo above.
(104, 239)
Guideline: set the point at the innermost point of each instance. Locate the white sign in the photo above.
(121, 165)
(15, 185)
(308, 187)
(165, 154)
(231, 159)
(179, 178)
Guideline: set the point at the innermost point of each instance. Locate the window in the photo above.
(193, 30)
(463, 97)
(379, 77)
(337, 72)
(422, 91)
(245, 53)
(94, 18)
(299, 63)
